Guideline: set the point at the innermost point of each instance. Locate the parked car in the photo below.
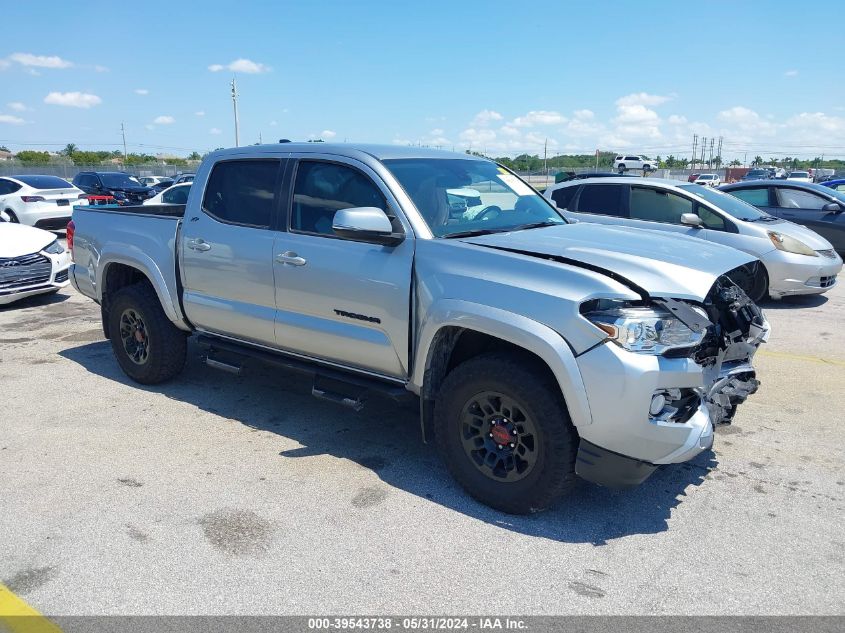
(180, 178)
(177, 194)
(794, 260)
(835, 183)
(625, 162)
(158, 183)
(817, 207)
(123, 187)
(693, 177)
(537, 349)
(32, 262)
(757, 174)
(567, 176)
(709, 180)
(800, 176)
(41, 201)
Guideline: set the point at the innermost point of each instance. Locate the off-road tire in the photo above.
(167, 344)
(520, 379)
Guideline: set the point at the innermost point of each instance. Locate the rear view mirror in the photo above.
(365, 224)
(832, 207)
(691, 219)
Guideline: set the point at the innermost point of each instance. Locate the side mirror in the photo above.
(832, 207)
(691, 219)
(365, 224)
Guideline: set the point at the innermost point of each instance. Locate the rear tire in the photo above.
(148, 347)
(12, 217)
(622, 168)
(495, 397)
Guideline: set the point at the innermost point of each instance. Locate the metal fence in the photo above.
(68, 171)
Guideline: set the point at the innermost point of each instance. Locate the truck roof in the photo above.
(352, 150)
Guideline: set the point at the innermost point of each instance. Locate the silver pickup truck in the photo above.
(538, 349)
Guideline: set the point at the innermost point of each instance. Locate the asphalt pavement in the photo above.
(222, 494)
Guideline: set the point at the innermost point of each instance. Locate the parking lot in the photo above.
(220, 494)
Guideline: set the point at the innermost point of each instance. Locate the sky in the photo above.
(502, 78)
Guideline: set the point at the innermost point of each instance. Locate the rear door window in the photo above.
(243, 192)
(759, 196)
(602, 200)
(656, 205)
(7, 187)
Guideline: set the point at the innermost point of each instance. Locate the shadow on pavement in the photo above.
(795, 302)
(385, 438)
(35, 301)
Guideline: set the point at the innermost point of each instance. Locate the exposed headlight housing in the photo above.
(55, 248)
(789, 244)
(642, 329)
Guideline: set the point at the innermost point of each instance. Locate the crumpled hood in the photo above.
(18, 239)
(662, 264)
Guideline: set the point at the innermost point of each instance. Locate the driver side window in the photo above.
(321, 189)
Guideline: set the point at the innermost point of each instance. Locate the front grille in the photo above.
(61, 276)
(830, 253)
(821, 282)
(27, 270)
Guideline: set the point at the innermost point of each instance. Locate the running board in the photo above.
(341, 387)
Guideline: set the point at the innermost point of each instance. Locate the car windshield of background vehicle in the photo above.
(503, 201)
(120, 180)
(44, 182)
(731, 205)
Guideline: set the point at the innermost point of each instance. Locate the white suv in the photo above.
(621, 163)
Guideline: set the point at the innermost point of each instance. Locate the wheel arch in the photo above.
(458, 330)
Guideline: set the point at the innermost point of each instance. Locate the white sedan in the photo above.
(800, 176)
(177, 194)
(45, 202)
(711, 180)
(32, 262)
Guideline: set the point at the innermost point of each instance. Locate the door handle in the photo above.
(199, 244)
(289, 257)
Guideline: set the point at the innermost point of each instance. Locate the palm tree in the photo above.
(735, 162)
(757, 161)
(69, 149)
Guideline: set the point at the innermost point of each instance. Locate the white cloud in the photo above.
(4, 64)
(141, 91)
(790, 73)
(17, 106)
(241, 66)
(583, 115)
(509, 130)
(477, 137)
(485, 118)
(437, 132)
(41, 61)
(328, 134)
(635, 114)
(676, 119)
(73, 99)
(11, 119)
(164, 120)
(643, 99)
(539, 117)
(199, 113)
(215, 130)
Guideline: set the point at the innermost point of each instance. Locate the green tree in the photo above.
(194, 156)
(758, 160)
(3, 148)
(69, 149)
(30, 157)
(735, 162)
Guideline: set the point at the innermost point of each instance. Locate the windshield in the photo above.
(504, 202)
(799, 174)
(731, 205)
(758, 172)
(120, 180)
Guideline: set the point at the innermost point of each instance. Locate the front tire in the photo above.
(503, 430)
(148, 347)
(754, 282)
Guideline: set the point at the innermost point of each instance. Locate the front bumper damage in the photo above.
(702, 387)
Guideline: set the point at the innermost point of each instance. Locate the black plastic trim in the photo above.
(610, 469)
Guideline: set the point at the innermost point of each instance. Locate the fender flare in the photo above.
(516, 329)
(144, 264)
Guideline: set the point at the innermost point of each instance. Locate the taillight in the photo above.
(32, 198)
(71, 227)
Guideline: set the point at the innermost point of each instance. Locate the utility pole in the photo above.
(710, 162)
(235, 106)
(719, 153)
(694, 146)
(123, 133)
(703, 150)
(545, 164)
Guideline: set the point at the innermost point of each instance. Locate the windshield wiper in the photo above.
(520, 227)
(537, 225)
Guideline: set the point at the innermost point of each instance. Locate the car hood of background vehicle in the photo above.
(19, 239)
(662, 264)
(808, 236)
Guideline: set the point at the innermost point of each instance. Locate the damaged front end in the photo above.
(734, 329)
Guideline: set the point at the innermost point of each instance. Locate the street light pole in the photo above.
(235, 106)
